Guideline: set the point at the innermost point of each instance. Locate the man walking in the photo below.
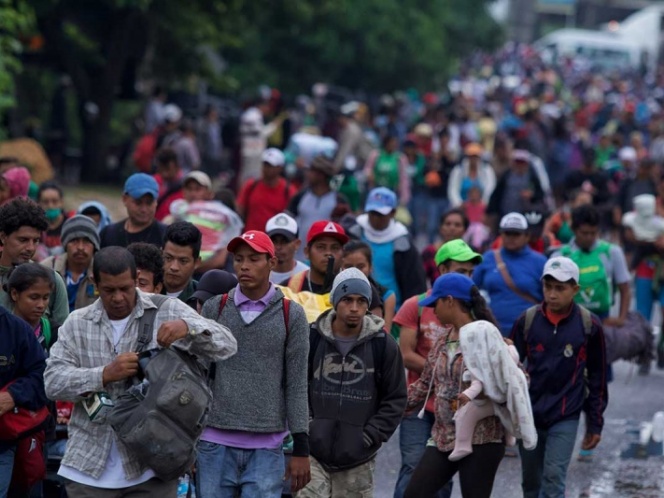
(140, 196)
(81, 241)
(95, 355)
(283, 230)
(563, 346)
(182, 247)
(261, 393)
(357, 391)
(22, 222)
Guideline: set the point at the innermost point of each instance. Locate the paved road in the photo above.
(632, 399)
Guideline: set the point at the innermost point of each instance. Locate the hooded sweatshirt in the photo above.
(105, 216)
(356, 401)
(397, 263)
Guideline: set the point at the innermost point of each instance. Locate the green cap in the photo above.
(456, 250)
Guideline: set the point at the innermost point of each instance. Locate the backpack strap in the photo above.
(378, 347)
(285, 307)
(222, 304)
(530, 317)
(146, 323)
(314, 342)
(420, 310)
(504, 272)
(587, 319)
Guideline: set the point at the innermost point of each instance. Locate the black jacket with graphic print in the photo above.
(356, 402)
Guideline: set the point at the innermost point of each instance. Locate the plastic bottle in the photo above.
(658, 427)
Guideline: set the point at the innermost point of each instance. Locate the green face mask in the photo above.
(53, 213)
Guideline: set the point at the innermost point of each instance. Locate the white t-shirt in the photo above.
(174, 294)
(277, 277)
(113, 476)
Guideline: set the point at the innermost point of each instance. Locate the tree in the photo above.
(102, 45)
(16, 21)
(374, 45)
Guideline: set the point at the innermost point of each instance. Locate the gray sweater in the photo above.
(264, 385)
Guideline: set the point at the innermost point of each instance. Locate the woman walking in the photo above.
(456, 301)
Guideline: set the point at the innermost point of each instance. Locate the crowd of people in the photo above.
(447, 267)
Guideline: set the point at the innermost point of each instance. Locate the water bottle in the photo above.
(658, 427)
(184, 483)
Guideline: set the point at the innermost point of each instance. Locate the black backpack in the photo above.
(161, 419)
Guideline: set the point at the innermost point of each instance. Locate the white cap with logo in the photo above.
(274, 157)
(282, 224)
(514, 222)
(562, 269)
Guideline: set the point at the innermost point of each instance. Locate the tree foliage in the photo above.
(376, 45)
(16, 21)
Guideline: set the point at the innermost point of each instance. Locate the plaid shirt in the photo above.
(85, 346)
(447, 385)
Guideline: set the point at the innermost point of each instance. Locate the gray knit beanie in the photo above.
(79, 227)
(350, 281)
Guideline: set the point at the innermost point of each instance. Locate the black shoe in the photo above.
(660, 356)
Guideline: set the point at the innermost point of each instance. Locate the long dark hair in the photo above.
(477, 307)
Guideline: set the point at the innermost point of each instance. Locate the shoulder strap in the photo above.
(378, 346)
(46, 331)
(587, 319)
(530, 316)
(250, 190)
(285, 306)
(314, 341)
(222, 304)
(420, 310)
(502, 268)
(146, 323)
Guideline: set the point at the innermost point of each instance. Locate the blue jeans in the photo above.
(413, 436)
(436, 208)
(544, 469)
(223, 472)
(6, 467)
(418, 207)
(645, 296)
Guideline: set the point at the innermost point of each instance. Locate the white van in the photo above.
(598, 49)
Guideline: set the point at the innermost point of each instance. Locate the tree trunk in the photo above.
(95, 147)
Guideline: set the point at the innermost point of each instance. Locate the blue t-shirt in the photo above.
(383, 266)
(525, 267)
(72, 289)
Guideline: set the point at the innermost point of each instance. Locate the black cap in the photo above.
(213, 283)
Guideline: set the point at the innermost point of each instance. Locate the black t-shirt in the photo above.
(116, 235)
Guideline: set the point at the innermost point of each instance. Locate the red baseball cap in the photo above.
(257, 240)
(327, 229)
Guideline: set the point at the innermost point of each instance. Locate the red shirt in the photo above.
(261, 202)
(165, 201)
(429, 331)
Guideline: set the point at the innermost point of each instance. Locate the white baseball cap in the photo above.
(562, 269)
(514, 222)
(274, 157)
(172, 113)
(282, 224)
(199, 177)
(627, 154)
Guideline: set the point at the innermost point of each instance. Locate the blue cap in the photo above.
(381, 200)
(140, 184)
(451, 284)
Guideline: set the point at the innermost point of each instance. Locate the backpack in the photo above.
(586, 318)
(161, 419)
(596, 292)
